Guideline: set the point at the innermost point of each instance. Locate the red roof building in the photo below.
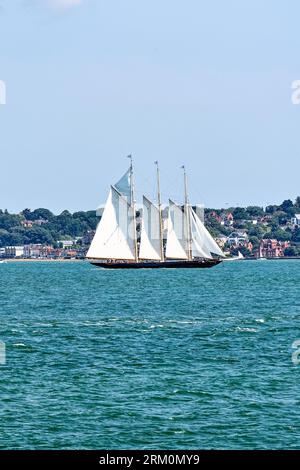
(271, 248)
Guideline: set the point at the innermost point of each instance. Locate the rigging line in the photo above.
(173, 182)
(147, 183)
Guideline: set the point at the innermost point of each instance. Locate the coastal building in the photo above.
(70, 254)
(40, 222)
(40, 251)
(217, 217)
(30, 223)
(37, 251)
(249, 246)
(66, 243)
(238, 238)
(229, 218)
(27, 223)
(14, 251)
(296, 220)
(272, 248)
(88, 237)
(223, 218)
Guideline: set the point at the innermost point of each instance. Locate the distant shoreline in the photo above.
(45, 260)
(272, 258)
(40, 260)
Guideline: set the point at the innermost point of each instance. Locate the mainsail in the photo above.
(150, 247)
(114, 238)
(176, 241)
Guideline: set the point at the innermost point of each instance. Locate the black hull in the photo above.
(207, 263)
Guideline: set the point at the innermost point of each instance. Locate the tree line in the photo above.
(47, 227)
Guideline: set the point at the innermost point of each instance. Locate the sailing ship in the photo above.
(116, 244)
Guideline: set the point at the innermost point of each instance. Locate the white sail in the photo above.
(176, 241)
(114, 237)
(203, 242)
(150, 247)
(198, 247)
(124, 185)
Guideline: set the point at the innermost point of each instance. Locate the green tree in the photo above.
(10, 239)
(39, 235)
(271, 209)
(239, 213)
(255, 242)
(291, 251)
(7, 221)
(42, 213)
(254, 211)
(287, 204)
(296, 235)
(27, 214)
(258, 231)
(280, 234)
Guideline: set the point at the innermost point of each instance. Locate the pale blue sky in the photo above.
(205, 83)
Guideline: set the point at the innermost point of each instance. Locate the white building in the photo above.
(237, 238)
(296, 220)
(33, 251)
(66, 243)
(14, 251)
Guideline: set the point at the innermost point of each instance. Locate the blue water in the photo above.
(169, 359)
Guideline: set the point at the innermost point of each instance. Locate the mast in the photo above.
(133, 207)
(160, 213)
(187, 214)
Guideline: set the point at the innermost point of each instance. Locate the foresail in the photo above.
(202, 239)
(150, 247)
(124, 186)
(114, 238)
(176, 241)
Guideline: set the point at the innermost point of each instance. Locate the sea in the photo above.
(150, 359)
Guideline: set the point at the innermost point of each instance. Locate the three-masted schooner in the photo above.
(116, 244)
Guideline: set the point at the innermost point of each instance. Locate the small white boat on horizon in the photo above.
(239, 257)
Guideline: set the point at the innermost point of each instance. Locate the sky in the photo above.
(201, 83)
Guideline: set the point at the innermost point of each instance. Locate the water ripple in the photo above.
(152, 359)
